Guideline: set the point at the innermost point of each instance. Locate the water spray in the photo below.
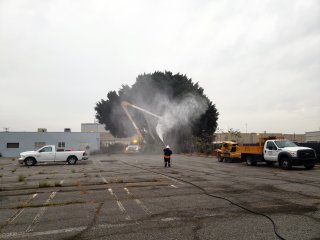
(125, 105)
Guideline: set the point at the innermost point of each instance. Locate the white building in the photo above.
(13, 143)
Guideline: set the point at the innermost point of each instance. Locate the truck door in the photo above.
(46, 154)
(270, 152)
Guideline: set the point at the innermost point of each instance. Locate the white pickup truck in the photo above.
(284, 152)
(49, 154)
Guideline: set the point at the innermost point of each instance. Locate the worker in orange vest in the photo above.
(167, 156)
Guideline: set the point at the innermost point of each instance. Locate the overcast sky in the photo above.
(258, 61)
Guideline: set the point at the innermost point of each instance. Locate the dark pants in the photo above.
(166, 162)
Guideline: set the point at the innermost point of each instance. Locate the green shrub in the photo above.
(57, 184)
(44, 184)
(21, 178)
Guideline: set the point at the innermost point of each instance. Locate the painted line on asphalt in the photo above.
(21, 235)
(17, 213)
(104, 180)
(144, 207)
(174, 180)
(40, 213)
(120, 205)
(127, 190)
(60, 231)
(110, 191)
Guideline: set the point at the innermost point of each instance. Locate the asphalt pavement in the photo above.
(135, 197)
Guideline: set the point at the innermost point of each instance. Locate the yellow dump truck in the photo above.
(232, 150)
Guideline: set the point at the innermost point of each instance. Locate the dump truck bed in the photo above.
(257, 150)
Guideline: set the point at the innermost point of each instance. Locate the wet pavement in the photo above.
(135, 197)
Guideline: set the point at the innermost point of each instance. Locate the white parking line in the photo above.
(60, 231)
(17, 214)
(144, 207)
(174, 180)
(104, 180)
(127, 190)
(110, 191)
(120, 205)
(40, 213)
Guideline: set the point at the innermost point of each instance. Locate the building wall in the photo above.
(313, 136)
(33, 140)
(107, 139)
(252, 138)
(92, 127)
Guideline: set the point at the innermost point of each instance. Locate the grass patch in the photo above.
(1, 175)
(21, 178)
(44, 184)
(13, 159)
(50, 204)
(57, 184)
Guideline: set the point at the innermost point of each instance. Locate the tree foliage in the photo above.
(154, 92)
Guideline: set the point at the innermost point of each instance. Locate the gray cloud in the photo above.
(259, 61)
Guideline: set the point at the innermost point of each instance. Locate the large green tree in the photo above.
(158, 93)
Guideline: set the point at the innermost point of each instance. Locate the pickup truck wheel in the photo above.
(285, 163)
(309, 166)
(30, 162)
(72, 160)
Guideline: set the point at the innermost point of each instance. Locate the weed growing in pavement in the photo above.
(13, 170)
(13, 159)
(21, 178)
(41, 172)
(57, 184)
(49, 204)
(1, 175)
(44, 184)
(73, 171)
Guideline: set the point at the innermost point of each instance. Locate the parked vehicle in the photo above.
(132, 149)
(271, 151)
(50, 154)
(228, 149)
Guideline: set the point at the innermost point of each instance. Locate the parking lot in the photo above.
(135, 197)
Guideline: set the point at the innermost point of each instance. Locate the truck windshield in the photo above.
(283, 144)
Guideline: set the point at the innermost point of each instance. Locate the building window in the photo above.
(61, 144)
(38, 145)
(12, 145)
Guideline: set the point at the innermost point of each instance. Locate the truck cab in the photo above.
(288, 154)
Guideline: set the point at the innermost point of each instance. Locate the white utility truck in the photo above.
(48, 154)
(284, 152)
